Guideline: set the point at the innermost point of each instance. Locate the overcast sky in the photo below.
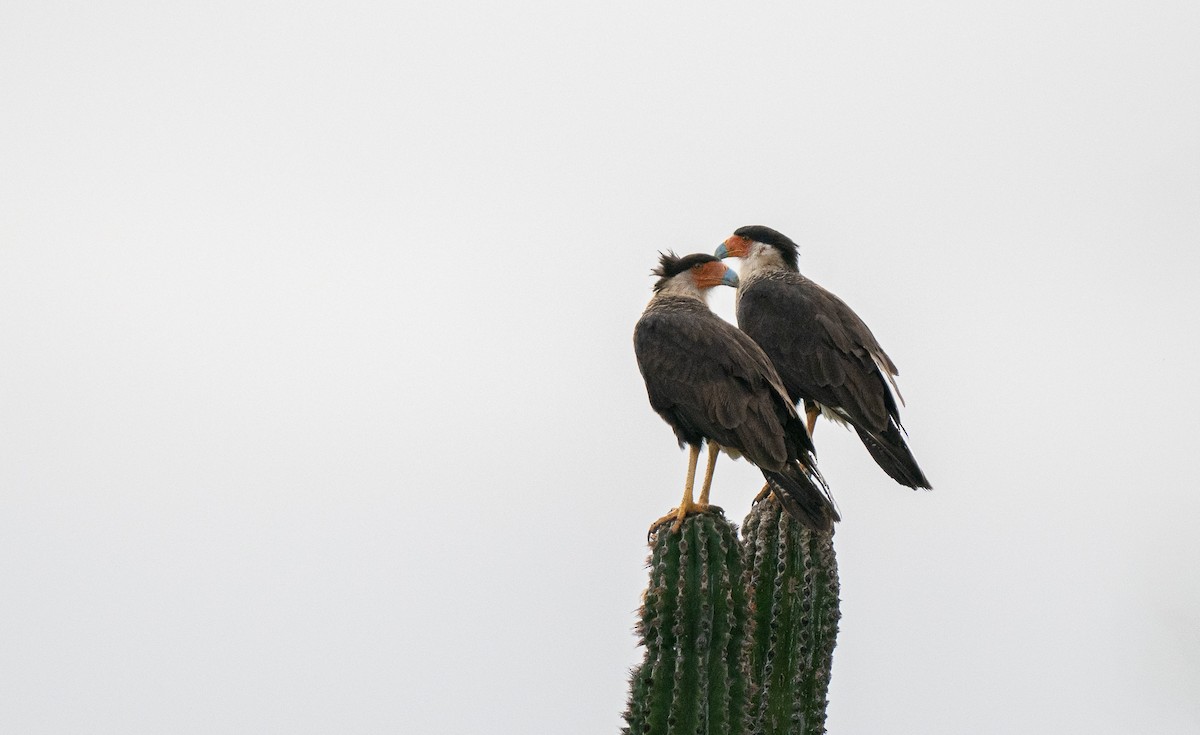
(318, 404)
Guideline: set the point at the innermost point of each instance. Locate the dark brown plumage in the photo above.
(824, 353)
(711, 382)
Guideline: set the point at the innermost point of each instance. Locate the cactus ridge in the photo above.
(690, 622)
(793, 580)
(684, 631)
(738, 636)
(666, 632)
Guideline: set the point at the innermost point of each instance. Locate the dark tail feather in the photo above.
(804, 496)
(891, 453)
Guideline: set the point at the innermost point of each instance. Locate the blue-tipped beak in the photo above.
(722, 252)
(730, 278)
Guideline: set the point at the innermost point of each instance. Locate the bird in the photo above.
(825, 354)
(711, 383)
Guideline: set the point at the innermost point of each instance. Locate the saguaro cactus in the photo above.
(693, 626)
(793, 588)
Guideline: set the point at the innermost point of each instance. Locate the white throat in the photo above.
(761, 259)
(685, 285)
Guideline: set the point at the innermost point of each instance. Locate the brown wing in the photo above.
(709, 380)
(821, 348)
(825, 353)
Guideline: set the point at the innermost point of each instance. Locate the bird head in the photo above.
(692, 273)
(760, 243)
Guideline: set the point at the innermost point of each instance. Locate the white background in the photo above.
(318, 405)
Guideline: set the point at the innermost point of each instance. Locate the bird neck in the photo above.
(682, 287)
(761, 259)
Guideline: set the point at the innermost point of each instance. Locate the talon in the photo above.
(677, 516)
(687, 506)
(654, 527)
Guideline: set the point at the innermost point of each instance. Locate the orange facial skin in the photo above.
(709, 275)
(737, 246)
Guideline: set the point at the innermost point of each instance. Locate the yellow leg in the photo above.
(693, 458)
(812, 411)
(713, 451)
(762, 494)
(687, 505)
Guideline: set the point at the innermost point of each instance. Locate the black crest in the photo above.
(671, 265)
(774, 238)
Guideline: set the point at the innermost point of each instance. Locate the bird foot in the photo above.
(762, 494)
(677, 515)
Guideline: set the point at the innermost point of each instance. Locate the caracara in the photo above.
(825, 355)
(712, 383)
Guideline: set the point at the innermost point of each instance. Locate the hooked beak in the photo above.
(730, 278)
(734, 246)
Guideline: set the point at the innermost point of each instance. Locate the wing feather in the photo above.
(821, 348)
(709, 380)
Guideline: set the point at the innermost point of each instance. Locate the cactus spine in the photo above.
(793, 587)
(693, 626)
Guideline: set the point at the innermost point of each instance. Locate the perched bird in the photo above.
(825, 354)
(712, 383)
